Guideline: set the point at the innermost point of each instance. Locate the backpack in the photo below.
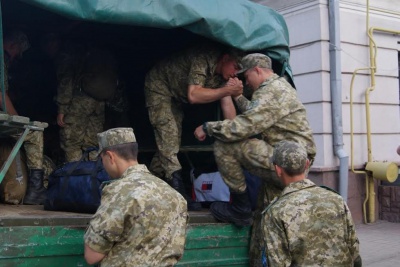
(99, 74)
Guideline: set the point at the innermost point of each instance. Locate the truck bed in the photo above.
(31, 236)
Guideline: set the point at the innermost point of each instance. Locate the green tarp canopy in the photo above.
(240, 23)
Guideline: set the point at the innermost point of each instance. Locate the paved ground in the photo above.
(379, 244)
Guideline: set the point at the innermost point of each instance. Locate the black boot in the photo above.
(177, 184)
(36, 193)
(237, 212)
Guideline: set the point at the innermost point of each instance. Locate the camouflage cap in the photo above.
(115, 136)
(253, 60)
(291, 156)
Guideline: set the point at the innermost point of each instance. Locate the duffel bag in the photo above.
(75, 186)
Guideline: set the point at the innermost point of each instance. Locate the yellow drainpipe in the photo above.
(352, 147)
(369, 181)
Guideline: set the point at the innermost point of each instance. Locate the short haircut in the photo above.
(234, 54)
(127, 151)
(293, 173)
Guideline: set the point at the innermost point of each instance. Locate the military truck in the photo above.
(139, 33)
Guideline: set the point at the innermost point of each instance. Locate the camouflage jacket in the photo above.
(69, 63)
(141, 221)
(309, 226)
(195, 66)
(67, 67)
(275, 112)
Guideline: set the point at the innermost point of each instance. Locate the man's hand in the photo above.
(92, 256)
(60, 120)
(235, 85)
(200, 134)
(231, 82)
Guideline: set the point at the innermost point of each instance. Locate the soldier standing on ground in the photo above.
(275, 114)
(141, 220)
(306, 225)
(197, 76)
(15, 43)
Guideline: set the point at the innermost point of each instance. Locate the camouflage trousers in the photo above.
(166, 117)
(33, 145)
(82, 123)
(253, 155)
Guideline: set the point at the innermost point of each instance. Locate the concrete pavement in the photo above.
(379, 244)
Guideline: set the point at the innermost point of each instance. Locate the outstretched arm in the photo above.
(228, 108)
(201, 95)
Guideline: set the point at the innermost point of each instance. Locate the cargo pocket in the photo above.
(160, 114)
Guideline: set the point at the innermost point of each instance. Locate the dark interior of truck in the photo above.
(33, 83)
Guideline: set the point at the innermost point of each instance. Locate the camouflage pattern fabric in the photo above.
(309, 226)
(267, 193)
(82, 123)
(48, 167)
(251, 154)
(172, 76)
(115, 136)
(276, 114)
(68, 64)
(83, 115)
(291, 156)
(255, 59)
(166, 88)
(33, 142)
(33, 145)
(166, 119)
(141, 222)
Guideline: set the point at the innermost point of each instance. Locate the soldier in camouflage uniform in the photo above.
(273, 114)
(198, 75)
(80, 116)
(15, 43)
(141, 220)
(306, 225)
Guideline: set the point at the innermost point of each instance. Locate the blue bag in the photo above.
(75, 186)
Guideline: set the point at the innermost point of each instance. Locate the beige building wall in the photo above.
(308, 24)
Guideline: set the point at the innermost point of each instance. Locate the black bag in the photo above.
(75, 186)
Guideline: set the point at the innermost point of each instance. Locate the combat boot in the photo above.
(237, 212)
(36, 193)
(177, 184)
